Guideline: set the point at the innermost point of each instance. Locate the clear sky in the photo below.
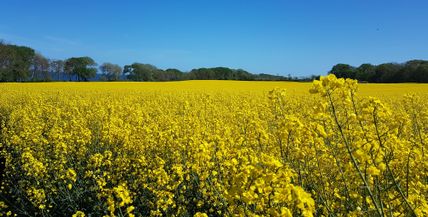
(299, 37)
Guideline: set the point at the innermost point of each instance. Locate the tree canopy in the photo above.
(111, 71)
(410, 71)
(15, 62)
(81, 67)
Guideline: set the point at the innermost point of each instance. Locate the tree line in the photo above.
(148, 72)
(410, 71)
(21, 63)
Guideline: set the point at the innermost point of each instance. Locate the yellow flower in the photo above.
(123, 194)
(373, 171)
(79, 214)
(71, 175)
(200, 214)
(224, 147)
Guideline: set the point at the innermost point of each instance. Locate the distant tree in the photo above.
(69, 67)
(57, 68)
(5, 60)
(243, 75)
(111, 71)
(158, 75)
(40, 68)
(15, 62)
(423, 73)
(411, 71)
(23, 59)
(415, 70)
(343, 71)
(173, 75)
(81, 67)
(388, 73)
(269, 77)
(201, 74)
(365, 72)
(140, 72)
(224, 73)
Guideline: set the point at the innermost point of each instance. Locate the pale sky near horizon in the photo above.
(277, 36)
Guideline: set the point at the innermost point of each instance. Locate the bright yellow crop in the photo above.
(214, 148)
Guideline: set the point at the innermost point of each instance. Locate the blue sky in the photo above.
(273, 36)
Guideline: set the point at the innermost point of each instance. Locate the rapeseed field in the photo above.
(214, 148)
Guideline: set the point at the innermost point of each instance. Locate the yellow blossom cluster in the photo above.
(191, 149)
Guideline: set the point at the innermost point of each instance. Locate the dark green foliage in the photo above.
(172, 75)
(365, 72)
(343, 70)
(223, 73)
(388, 72)
(15, 62)
(140, 72)
(20, 63)
(417, 70)
(219, 73)
(81, 67)
(147, 72)
(411, 71)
